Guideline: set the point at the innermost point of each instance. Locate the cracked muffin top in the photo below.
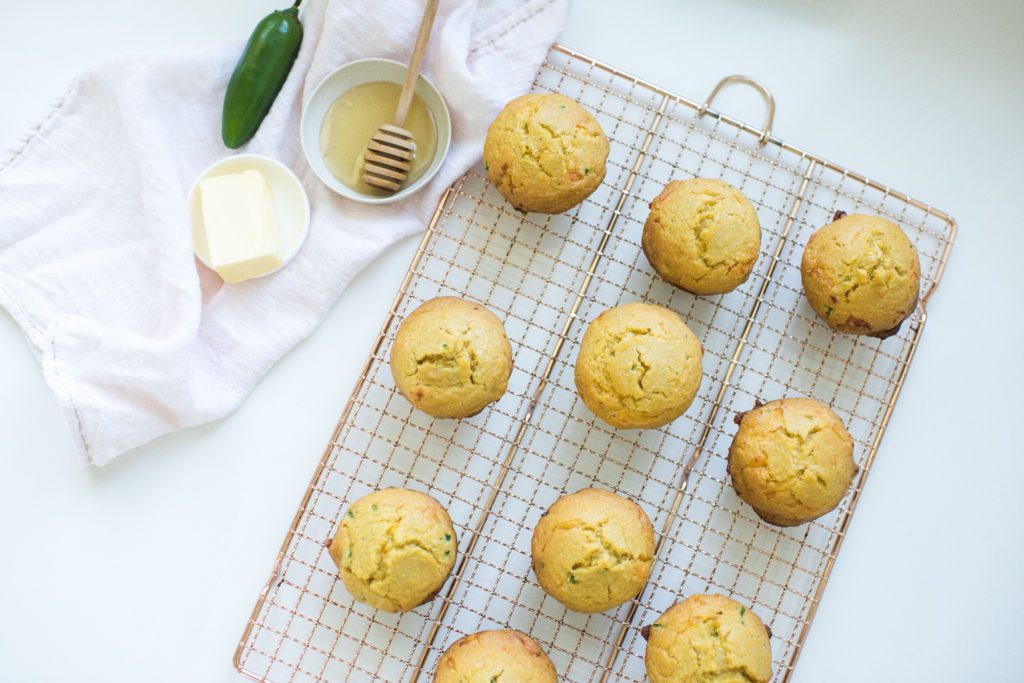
(708, 639)
(861, 274)
(451, 358)
(639, 366)
(702, 235)
(791, 460)
(394, 549)
(495, 656)
(593, 550)
(545, 153)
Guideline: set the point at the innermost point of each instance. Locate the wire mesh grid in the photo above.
(546, 277)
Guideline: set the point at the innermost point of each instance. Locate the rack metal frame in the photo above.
(546, 277)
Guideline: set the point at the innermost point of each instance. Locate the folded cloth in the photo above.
(96, 264)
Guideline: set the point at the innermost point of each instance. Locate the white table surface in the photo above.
(146, 570)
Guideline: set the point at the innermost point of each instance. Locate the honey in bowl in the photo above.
(356, 116)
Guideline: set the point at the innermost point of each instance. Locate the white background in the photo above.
(147, 570)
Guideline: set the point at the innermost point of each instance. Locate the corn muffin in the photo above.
(708, 639)
(492, 656)
(702, 235)
(451, 358)
(639, 366)
(791, 460)
(593, 550)
(394, 549)
(545, 153)
(861, 274)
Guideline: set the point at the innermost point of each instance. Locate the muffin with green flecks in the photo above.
(394, 549)
(708, 638)
(861, 274)
(791, 460)
(451, 357)
(495, 656)
(593, 550)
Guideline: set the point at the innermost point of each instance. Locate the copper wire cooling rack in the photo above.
(546, 277)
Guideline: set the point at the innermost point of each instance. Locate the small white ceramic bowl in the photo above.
(342, 80)
(290, 200)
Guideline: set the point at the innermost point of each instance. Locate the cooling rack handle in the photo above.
(766, 94)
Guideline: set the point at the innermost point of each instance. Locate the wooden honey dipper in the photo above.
(390, 152)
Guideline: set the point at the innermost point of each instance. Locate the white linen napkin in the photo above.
(96, 264)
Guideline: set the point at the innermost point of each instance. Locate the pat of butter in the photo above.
(240, 223)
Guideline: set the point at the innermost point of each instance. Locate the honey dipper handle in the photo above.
(416, 62)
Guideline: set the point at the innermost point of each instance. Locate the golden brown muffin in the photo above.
(639, 366)
(791, 460)
(493, 656)
(862, 275)
(708, 639)
(702, 235)
(593, 550)
(394, 549)
(451, 357)
(545, 153)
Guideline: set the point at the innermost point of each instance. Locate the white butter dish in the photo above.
(290, 202)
